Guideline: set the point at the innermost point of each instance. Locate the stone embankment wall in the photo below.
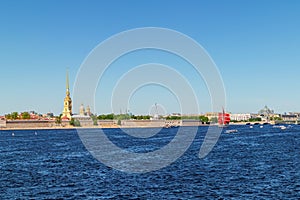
(27, 124)
(159, 123)
(107, 123)
(191, 123)
(143, 123)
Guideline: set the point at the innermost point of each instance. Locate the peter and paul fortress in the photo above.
(67, 112)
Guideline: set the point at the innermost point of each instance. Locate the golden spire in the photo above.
(67, 80)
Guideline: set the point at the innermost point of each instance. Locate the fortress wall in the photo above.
(143, 123)
(107, 122)
(191, 123)
(30, 124)
(86, 123)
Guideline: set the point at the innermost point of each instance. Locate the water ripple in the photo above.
(252, 164)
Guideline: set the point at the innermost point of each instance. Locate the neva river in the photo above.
(258, 163)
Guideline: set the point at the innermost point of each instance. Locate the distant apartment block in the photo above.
(290, 117)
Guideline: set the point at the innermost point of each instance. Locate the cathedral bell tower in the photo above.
(67, 112)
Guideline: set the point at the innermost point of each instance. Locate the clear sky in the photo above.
(255, 45)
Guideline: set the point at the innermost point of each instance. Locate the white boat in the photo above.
(231, 131)
(280, 126)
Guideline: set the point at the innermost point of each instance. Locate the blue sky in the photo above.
(255, 45)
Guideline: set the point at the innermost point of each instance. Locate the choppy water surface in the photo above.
(258, 163)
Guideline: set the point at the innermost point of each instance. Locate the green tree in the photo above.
(100, 117)
(173, 118)
(25, 115)
(77, 122)
(110, 116)
(146, 117)
(8, 116)
(58, 119)
(214, 120)
(122, 116)
(74, 122)
(14, 115)
(276, 118)
(95, 122)
(106, 117)
(203, 119)
(258, 119)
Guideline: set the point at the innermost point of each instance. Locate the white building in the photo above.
(240, 117)
(2, 123)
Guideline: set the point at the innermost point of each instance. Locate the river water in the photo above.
(257, 163)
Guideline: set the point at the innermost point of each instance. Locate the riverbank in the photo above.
(57, 128)
(105, 124)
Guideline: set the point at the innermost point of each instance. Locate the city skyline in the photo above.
(254, 45)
